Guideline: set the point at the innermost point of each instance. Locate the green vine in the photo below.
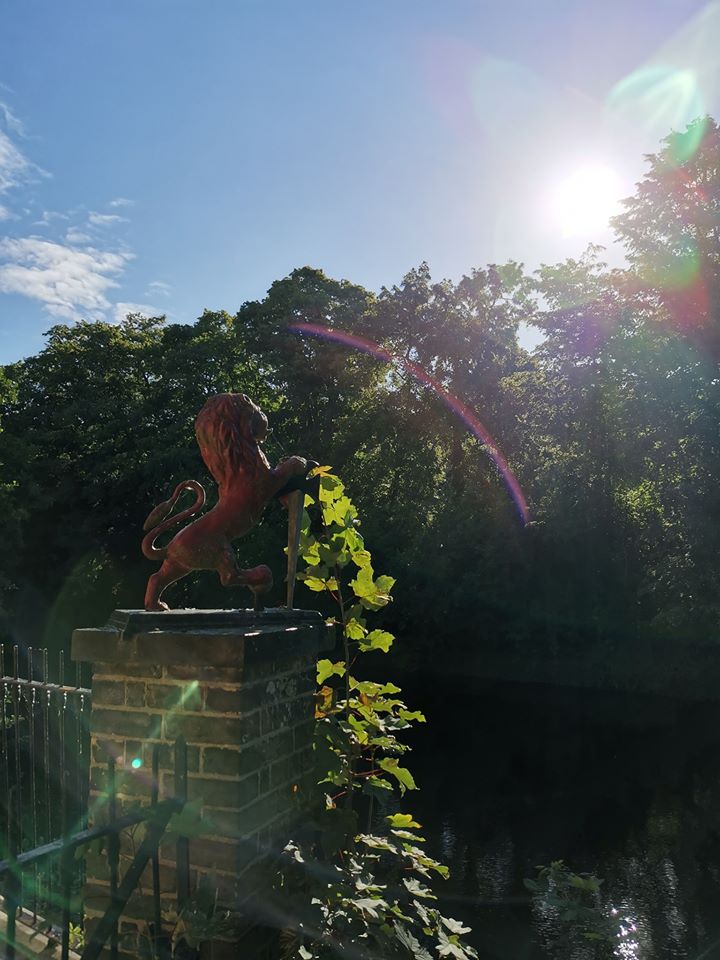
(361, 883)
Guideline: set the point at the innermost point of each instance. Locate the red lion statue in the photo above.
(229, 430)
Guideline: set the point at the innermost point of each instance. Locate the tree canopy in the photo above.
(610, 426)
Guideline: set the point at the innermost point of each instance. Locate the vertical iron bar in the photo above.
(79, 705)
(66, 864)
(182, 850)
(66, 856)
(4, 756)
(61, 780)
(33, 785)
(18, 842)
(48, 884)
(156, 855)
(11, 905)
(113, 853)
(17, 846)
(61, 707)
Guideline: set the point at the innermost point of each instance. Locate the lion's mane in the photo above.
(226, 430)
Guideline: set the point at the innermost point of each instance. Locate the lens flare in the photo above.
(659, 98)
(421, 376)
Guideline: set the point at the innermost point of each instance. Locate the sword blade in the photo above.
(295, 503)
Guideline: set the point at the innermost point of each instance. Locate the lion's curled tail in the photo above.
(158, 521)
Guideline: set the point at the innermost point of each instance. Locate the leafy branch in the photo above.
(362, 894)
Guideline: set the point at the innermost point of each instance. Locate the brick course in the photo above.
(247, 717)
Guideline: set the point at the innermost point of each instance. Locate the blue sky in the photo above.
(179, 154)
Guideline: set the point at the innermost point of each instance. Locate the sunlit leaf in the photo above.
(402, 821)
(377, 640)
(403, 776)
(326, 668)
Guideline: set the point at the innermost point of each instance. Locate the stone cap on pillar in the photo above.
(218, 638)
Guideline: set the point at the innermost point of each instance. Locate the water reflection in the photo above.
(624, 787)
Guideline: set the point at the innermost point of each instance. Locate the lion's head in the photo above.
(229, 429)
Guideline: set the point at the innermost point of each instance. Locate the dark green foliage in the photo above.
(611, 427)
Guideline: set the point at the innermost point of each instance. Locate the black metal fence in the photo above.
(44, 787)
(44, 763)
(20, 898)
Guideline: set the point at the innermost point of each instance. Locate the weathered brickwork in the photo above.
(245, 708)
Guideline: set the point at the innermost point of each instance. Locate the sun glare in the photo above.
(585, 201)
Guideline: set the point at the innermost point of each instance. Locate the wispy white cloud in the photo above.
(15, 167)
(76, 237)
(12, 122)
(70, 283)
(158, 287)
(48, 216)
(69, 270)
(104, 219)
(123, 309)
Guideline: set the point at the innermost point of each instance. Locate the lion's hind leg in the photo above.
(257, 579)
(169, 572)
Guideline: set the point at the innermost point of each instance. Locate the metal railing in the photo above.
(44, 763)
(61, 855)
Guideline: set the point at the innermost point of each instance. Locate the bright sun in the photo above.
(584, 201)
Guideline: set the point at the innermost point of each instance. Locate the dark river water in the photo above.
(626, 787)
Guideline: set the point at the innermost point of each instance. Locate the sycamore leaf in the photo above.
(331, 488)
(403, 776)
(362, 558)
(406, 835)
(417, 889)
(371, 907)
(411, 715)
(376, 843)
(323, 702)
(363, 585)
(377, 640)
(425, 914)
(385, 584)
(455, 927)
(354, 630)
(413, 946)
(402, 821)
(449, 947)
(358, 727)
(311, 556)
(376, 784)
(326, 668)
(314, 583)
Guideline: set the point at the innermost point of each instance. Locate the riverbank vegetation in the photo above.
(610, 427)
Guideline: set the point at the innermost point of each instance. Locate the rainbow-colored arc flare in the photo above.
(421, 376)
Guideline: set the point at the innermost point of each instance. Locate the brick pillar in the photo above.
(238, 686)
